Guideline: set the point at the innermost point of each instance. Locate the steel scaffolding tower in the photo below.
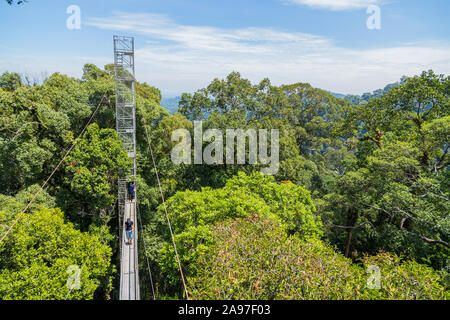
(125, 106)
(126, 129)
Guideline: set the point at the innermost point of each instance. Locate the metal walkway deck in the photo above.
(129, 275)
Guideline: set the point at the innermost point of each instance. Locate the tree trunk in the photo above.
(352, 218)
(349, 240)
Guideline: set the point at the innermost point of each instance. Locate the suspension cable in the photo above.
(54, 170)
(167, 215)
(145, 250)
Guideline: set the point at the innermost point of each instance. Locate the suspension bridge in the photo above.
(124, 70)
(124, 74)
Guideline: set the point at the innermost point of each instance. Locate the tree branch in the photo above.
(433, 241)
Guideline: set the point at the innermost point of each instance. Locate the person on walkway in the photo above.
(131, 191)
(129, 227)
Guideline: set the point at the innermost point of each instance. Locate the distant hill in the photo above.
(171, 104)
(356, 99)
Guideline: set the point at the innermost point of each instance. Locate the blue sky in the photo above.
(181, 45)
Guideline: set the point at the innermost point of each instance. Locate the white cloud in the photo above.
(336, 5)
(181, 58)
(38, 67)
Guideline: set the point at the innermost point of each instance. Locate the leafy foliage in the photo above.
(192, 214)
(398, 187)
(38, 124)
(254, 259)
(91, 172)
(37, 255)
(362, 181)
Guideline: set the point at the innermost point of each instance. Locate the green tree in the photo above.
(193, 213)
(37, 256)
(10, 81)
(254, 259)
(400, 203)
(17, 1)
(91, 172)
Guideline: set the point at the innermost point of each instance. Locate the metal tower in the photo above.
(126, 129)
(125, 106)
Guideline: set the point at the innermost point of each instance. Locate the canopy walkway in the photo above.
(129, 276)
(126, 130)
